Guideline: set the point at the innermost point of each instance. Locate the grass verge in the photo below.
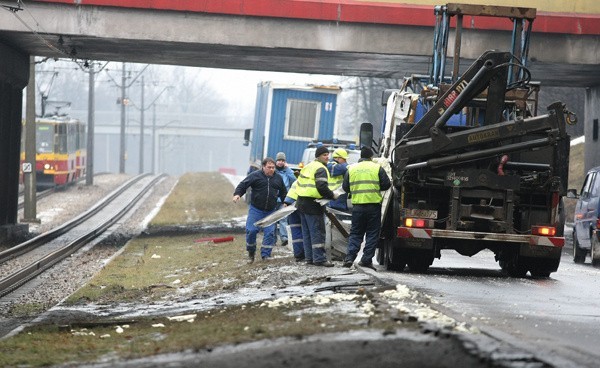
(199, 199)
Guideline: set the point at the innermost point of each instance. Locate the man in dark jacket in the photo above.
(365, 181)
(266, 188)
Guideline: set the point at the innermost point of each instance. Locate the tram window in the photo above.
(61, 139)
(44, 139)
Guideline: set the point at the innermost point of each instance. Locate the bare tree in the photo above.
(362, 103)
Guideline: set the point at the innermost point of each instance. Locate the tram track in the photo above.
(44, 193)
(27, 260)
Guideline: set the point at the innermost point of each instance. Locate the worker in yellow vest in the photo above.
(365, 181)
(295, 224)
(313, 185)
(337, 169)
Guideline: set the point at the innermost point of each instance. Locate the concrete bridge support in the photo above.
(14, 74)
(592, 127)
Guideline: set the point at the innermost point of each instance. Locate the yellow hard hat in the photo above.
(340, 152)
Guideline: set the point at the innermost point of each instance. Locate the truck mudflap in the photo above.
(544, 241)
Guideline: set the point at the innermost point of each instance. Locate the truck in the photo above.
(472, 163)
(290, 117)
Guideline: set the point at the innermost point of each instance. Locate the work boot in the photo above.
(250, 257)
(299, 258)
(324, 264)
(348, 264)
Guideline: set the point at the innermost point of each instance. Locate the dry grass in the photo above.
(199, 267)
(47, 345)
(199, 199)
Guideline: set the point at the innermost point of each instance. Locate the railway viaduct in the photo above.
(388, 39)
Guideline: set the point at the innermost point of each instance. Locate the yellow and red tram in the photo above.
(60, 150)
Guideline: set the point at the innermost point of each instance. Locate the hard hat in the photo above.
(340, 152)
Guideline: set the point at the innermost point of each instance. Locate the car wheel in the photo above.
(578, 253)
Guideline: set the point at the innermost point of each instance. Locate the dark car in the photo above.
(586, 221)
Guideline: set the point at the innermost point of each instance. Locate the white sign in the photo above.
(26, 167)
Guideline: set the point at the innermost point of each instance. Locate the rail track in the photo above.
(44, 193)
(27, 260)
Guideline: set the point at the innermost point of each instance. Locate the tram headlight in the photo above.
(47, 166)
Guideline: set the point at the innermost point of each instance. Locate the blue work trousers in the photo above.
(282, 228)
(296, 228)
(254, 214)
(364, 222)
(313, 235)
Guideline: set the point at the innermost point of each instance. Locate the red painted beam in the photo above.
(351, 12)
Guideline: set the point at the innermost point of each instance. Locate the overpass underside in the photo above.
(249, 43)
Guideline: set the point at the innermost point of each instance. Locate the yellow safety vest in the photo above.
(335, 182)
(293, 192)
(306, 180)
(364, 182)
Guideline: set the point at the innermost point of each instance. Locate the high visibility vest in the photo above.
(335, 182)
(364, 182)
(306, 180)
(293, 192)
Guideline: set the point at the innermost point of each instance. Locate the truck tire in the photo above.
(419, 260)
(542, 267)
(512, 264)
(578, 252)
(394, 257)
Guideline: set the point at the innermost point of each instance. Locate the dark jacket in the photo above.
(308, 205)
(265, 190)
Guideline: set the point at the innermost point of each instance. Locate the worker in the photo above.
(313, 185)
(295, 224)
(365, 181)
(267, 187)
(337, 169)
(289, 178)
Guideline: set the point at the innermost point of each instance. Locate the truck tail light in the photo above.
(543, 230)
(420, 223)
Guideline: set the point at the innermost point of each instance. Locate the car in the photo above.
(586, 221)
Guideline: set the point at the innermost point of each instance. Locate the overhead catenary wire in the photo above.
(21, 6)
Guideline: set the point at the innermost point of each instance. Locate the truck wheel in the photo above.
(380, 256)
(419, 261)
(542, 267)
(595, 251)
(578, 253)
(394, 258)
(513, 265)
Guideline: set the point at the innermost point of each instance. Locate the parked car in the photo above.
(586, 222)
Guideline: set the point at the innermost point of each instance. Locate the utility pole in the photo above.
(29, 179)
(142, 131)
(153, 136)
(89, 163)
(122, 142)
(142, 109)
(124, 101)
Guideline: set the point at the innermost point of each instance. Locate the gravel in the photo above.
(63, 279)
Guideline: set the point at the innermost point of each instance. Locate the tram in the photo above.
(60, 150)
